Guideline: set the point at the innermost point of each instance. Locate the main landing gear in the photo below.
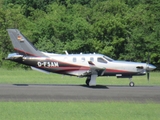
(91, 80)
(131, 84)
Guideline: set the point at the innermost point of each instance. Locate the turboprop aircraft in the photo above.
(81, 65)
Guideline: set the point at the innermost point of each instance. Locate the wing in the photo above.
(94, 70)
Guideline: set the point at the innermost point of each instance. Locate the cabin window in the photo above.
(83, 59)
(101, 60)
(92, 59)
(74, 59)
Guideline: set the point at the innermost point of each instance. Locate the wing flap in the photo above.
(39, 70)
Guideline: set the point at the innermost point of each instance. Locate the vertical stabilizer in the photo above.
(22, 45)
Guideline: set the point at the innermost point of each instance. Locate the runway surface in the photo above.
(56, 92)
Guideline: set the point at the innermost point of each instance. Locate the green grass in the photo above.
(75, 110)
(20, 76)
(79, 111)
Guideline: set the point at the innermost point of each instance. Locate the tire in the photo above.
(131, 84)
(87, 81)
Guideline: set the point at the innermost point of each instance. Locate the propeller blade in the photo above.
(148, 61)
(148, 76)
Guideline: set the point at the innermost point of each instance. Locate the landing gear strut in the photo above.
(91, 80)
(131, 84)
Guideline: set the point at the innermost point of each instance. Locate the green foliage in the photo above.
(122, 29)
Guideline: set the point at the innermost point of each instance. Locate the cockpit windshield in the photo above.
(108, 58)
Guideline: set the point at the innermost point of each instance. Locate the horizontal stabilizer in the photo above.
(39, 70)
(14, 56)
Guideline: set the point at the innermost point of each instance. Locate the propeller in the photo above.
(147, 69)
(148, 76)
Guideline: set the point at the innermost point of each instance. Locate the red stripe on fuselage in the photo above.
(117, 71)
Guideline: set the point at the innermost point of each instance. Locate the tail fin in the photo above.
(22, 45)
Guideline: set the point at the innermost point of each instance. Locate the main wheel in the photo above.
(87, 81)
(131, 84)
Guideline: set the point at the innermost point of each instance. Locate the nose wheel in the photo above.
(131, 84)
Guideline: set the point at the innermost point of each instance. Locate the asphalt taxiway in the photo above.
(60, 92)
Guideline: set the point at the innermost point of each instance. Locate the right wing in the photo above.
(94, 70)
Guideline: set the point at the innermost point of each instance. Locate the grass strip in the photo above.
(79, 110)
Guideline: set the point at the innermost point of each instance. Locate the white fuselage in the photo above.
(81, 66)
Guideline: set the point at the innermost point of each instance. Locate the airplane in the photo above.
(90, 66)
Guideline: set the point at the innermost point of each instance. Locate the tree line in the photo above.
(121, 29)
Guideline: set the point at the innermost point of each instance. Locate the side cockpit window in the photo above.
(108, 58)
(74, 60)
(92, 59)
(101, 60)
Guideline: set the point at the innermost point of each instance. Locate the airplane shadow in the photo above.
(21, 84)
(82, 85)
(96, 87)
(93, 87)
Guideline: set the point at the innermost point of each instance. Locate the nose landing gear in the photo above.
(131, 84)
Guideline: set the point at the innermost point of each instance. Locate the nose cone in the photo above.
(150, 67)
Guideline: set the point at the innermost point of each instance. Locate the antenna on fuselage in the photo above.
(66, 52)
